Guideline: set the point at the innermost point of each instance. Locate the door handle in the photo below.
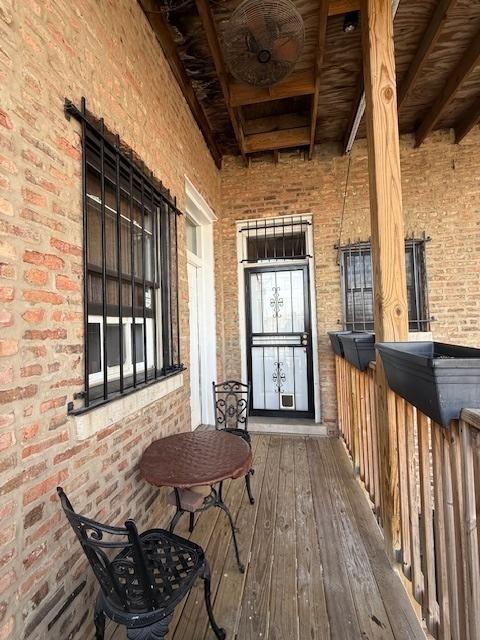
(304, 339)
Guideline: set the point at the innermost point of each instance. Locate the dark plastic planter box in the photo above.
(335, 341)
(438, 379)
(359, 348)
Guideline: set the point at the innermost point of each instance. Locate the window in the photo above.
(193, 241)
(131, 273)
(357, 282)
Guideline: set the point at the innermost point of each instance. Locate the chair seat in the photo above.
(241, 433)
(190, 500)
(175, 564)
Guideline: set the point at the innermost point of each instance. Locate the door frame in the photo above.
(310, 413)
(241, 266)
(200, 212)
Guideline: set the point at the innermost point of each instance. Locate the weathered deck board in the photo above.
(316, 566)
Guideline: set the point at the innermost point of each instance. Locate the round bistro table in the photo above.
(197, 459)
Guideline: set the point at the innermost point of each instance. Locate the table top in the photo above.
(195, 459)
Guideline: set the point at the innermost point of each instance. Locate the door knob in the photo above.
(304, 339)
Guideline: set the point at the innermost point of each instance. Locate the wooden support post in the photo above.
(387, 228)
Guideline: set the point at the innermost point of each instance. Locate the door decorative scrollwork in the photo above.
(279, 377)
(276, 302)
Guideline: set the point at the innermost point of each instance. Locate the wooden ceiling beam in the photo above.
(301, 83)
(320, 54)
(269, 124)
(429, 40)
(338, 7)
(467, 63)
(164, 36)
(283, 139)
(208, 22)
(467, 121)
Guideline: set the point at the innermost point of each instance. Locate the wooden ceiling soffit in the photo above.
(208, 22)
(468, 121)
(164, 36)
(320, 54)
(338, 7)
(467, 63)
(427, 44)
(301, 83)
(282, 139)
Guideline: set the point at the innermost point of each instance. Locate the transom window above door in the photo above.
(271, 239)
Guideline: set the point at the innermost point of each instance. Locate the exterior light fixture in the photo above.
(350, 24)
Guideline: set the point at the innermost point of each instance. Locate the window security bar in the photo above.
(357, 285)
(280, 239)
(131, 301)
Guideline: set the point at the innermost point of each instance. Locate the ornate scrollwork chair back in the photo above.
(117, 558)
(142, 576)
(231, 400)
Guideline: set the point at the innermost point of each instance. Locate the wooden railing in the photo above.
(438, 496)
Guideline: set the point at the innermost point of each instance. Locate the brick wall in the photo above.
(441, 188)
(49, 50)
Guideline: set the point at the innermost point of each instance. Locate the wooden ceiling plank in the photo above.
(320, 54)
(297, 84)
(208, 22)
(467, 63)
(428, 42)
(284, 139)
(164, 36)
(339, 7)
(467, 121)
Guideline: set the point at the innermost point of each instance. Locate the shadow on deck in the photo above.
(316, 563)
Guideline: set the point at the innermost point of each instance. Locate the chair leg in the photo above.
(156, 631)
(241, 567)
(191, 525)
(219, 633)
(249, 488)
(99, 620)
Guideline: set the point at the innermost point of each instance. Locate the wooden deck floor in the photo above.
(316, 565)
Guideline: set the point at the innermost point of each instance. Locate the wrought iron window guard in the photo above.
(278, 239)
(357, 285)
(150, 275)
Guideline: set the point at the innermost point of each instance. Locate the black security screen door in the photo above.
(279, 341)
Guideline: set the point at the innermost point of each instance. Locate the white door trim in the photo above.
(199, 211)
(241, 240)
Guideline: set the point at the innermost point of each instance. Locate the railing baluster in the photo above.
(440, 540)
(429, 605)
(454, 598)
(471, 557)
(403, 486)
(413, 504)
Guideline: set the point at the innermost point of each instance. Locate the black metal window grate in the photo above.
(131, 305)
(279, 239)
(357, 286)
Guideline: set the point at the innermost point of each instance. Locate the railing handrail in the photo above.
(471, 417)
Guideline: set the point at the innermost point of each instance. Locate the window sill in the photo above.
(87, 424)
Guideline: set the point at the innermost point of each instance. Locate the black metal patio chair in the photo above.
(231, 400)
(142, 576)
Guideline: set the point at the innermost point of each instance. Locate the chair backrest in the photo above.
(117, 558)
(231, 402)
